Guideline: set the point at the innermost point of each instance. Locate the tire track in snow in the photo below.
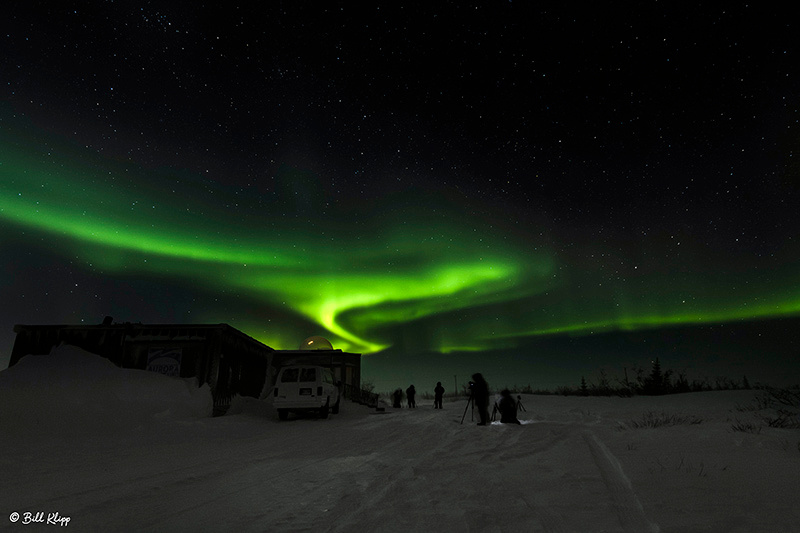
(123, 487)
(628, 508)
(388, 501)
(550, 521)
(548, 437)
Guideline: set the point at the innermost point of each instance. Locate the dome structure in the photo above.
(316, 342)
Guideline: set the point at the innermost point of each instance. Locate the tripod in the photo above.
(519, 403)
(494, 411)
(469, 402)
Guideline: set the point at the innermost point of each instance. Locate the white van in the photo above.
(305, 388)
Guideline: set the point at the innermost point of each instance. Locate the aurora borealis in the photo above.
(521, 191)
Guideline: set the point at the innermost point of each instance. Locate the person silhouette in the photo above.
(438, 393)
(480, 395)
(410, 393)
(397, 397)
(507, 408)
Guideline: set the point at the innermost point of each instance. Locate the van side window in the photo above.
(328, 376)
(308, 374)
(289, 375)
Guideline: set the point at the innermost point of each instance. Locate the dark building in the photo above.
(228, 360)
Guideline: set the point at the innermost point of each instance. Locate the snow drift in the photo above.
(71, 390)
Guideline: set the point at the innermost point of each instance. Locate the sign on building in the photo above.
(165, 361)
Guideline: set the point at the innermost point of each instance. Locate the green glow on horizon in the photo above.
(466, 286)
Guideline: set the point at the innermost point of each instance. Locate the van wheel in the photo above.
(335, 409)
(283, 414)
(323, 411)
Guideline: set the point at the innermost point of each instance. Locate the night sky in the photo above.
(533, 190)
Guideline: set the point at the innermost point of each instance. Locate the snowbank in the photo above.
(71, 390)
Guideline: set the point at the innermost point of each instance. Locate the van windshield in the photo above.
(289, 375)
(308, 374)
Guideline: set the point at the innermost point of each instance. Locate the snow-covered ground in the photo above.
(124, 450)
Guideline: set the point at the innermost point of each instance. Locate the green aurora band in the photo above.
(365, 276)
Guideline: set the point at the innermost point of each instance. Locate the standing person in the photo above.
(507, 408)
(397, 397)
(480, 395)
(410, 393)
(438, 393)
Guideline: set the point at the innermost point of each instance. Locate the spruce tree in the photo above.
(654, 384)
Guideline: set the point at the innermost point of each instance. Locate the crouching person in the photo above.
(507, 408)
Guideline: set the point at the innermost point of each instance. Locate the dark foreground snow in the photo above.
(125, 450)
